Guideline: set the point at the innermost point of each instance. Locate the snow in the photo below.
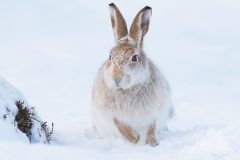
(8, 111)
(51, 51)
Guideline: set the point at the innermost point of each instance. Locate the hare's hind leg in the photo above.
(127, 132)
(151, 136)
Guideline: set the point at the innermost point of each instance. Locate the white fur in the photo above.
(139, 100)
(138, 110)
(123, 39)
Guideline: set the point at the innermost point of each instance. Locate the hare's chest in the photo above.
(132, 109)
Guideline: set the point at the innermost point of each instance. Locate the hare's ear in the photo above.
(140, 25)
(118, 24)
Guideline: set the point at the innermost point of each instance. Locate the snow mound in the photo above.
(9, 95)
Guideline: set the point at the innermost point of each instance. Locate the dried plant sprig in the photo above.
(24, 119)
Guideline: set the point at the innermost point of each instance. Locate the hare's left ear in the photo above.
(140, 25)
(118, 24)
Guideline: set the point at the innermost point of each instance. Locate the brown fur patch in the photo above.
(118, 23)
(119, 56)
(123, 48)
(122, 52)
(135, 27)
(117, 73)
(138, 29)
(127, 132)
(150, 137)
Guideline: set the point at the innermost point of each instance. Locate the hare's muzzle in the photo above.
(117, 74)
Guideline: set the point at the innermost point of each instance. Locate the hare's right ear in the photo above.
(140, 25)
(118, 24)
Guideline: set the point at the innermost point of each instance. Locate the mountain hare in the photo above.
(130, 97)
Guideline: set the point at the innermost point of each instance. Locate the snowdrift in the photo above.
(10, 98)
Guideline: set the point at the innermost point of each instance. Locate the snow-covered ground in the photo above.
(51, 51)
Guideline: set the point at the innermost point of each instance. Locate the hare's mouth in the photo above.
(130, 90)
(117, 87)
(118, 84)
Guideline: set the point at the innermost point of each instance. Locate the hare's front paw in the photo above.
(132, 136)
(152, 142)
(151, 136)
(127, 132)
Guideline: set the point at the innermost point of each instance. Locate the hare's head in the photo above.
(127, 65)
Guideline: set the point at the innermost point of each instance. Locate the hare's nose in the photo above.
(118, 81)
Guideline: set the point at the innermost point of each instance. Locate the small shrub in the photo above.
(24, 119)
(46, 131)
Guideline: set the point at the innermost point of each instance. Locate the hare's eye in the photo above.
(135, 58)
(109, 57)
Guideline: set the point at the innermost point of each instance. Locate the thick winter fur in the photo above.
(130, 97)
